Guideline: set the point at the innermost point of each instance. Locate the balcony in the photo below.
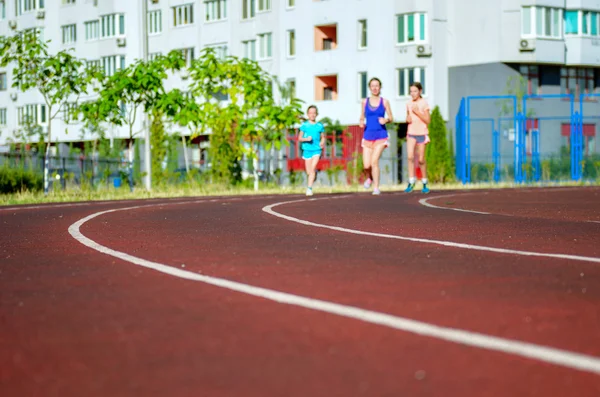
(582, 50)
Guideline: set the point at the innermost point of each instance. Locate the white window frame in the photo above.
(363, 77)
(189, 54)
(38, 112)
(533, 12)
(250, 49)
(68, 2)
(180, 13)
(250, 7)
(263, 6)
(221, 49)
(3, 81)
(69, 33)
(111, 64)
(153, 55)
(3, 117)
(92, 30)
(363, 29)
(110, 26)
(155, 25)
(265, 46)
(69, 112)
(417, 28)
(419, 75)
(27, 6)
(215, 10)
(291, 46)
(2, 10)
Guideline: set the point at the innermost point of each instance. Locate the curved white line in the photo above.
(269, 209)
(426, 203)
(550, 355)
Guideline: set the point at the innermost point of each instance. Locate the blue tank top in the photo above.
(374, 130)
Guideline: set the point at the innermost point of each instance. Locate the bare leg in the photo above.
(410, 151)
(311, 166)
(375, 171)
(422, 163)
(367, 162)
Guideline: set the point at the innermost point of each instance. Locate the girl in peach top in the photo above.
(417, 117)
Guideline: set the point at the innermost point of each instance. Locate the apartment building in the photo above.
(329, 49)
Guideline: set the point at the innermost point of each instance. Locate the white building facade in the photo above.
(329, 49)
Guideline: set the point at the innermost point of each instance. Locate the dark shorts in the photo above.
(421, 139)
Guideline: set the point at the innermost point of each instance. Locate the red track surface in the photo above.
(75, 322)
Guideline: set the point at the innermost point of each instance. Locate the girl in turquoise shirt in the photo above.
(313, 142)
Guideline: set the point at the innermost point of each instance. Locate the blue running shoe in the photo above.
(409, 188)
(425, 189)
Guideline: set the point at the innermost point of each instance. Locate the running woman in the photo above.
(375, 137)
(417, 117)
(313, 142)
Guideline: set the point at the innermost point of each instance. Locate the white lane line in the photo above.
(593, 221)
(541, 353)
(269, 209)
(426, 203)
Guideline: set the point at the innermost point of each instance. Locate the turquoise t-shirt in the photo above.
(313, 130)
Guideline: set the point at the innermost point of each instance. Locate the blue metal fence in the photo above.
(523, 130)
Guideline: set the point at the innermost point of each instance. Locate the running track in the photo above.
(409, 297)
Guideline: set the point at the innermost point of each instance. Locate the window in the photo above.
(31, 115)
(264, 5)
(111, 64)
(155, 22)
(583, 23)
(2, 116)
(216, 10)
(94, 64)
(183, 15)
(291, 43)
(325, 37)
(3, 82)
(92, 30)
(65, 2)
(3, 12)
(541, 22)
(291, 3)
(221, 50)
(265, 46)
(407, 76)
(112, 25)
(362, 34)
(153, 55)
(412, 28)
(291, 85)
(23, 6)
(39, 32)
(577, 81)
(249, 49)
(69, 112)
(363, 85)
(248, 9)
(532, 76)
(326, 88)
(188, 55)
(69, 34)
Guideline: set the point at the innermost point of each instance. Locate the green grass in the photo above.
(76, 194)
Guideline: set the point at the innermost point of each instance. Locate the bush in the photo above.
(14, 180)
(439, 157)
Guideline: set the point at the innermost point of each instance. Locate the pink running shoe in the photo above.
(368, 183)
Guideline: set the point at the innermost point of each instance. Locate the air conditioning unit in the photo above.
(423, 50)
(13, 96)
(121, 42)
(526, 45)
(12, 24)
(185, 75)
(155, 1)
(41, 14)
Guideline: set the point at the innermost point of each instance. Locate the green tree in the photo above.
(439, 161)
(59, 78)
(237, 105)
